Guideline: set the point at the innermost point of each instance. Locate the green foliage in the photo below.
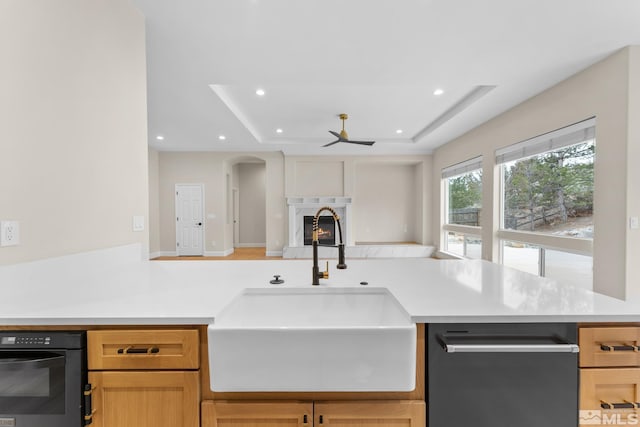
(559, 182)
(465, 191)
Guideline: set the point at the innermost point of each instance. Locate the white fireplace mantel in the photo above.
(299, 207)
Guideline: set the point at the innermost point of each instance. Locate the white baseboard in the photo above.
(226, 252)
(273, 253)
(251, 245)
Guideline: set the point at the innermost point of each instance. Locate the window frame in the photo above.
(467, 166)
(574, 245)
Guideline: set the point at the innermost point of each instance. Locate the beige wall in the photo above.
(154, 201)
(385, 203)
(319, 177)
(633, 173)
(211, 169)
(73, 130)
(390, 190)
(602, 91)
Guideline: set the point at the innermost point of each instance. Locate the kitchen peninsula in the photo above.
(113, 287)
(165, 307)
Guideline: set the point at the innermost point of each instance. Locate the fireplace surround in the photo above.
(299, 207)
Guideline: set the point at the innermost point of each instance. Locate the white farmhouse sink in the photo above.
(313, 339)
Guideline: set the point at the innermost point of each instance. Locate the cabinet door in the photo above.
(256, 414)
(407, 413)
(145, 399)
(611, 396)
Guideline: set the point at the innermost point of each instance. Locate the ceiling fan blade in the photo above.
(331, 143)
(361, 142)
(337, 135)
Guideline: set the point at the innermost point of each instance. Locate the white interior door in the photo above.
(189, 219)
(236, 218)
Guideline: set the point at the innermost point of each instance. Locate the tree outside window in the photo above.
(551, 192)
(465, 198)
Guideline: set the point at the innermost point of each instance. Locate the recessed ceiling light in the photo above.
(222, 137)
(279, 130)
(160, 138)
(438, 92)
(260, 92)
(399, 131)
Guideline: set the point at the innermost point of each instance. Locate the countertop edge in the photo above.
(103, 321)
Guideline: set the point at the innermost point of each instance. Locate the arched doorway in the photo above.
(246, 202)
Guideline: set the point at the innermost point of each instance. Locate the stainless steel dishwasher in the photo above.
(502, 375)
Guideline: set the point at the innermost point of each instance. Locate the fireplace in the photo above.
(300, 228)
(326, 230)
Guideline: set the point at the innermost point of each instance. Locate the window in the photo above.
(463, 208)
(547, 203)
(466, 245)
(559, 265)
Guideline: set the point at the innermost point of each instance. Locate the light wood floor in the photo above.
(254, 253)
(238, 254)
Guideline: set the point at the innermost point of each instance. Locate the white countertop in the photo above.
(84, 291)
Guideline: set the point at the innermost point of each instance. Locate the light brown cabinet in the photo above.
(316, 414)
(609, 388)
(609, 375)
(256, 414)
(609, 346)
(145, 399)
(370, 413)
(143, 349)
(146, 378)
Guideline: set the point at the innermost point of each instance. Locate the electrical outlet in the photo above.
(9, 233)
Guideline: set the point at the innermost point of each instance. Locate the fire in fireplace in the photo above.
(326, 230)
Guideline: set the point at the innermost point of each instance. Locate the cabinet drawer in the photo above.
(144, 349)
(602, 347)
(611, 394)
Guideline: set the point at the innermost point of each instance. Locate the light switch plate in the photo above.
(138, 223)
(633, 222)
(9, 233)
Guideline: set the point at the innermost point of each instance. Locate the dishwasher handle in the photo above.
(499, 345)
(511, 348)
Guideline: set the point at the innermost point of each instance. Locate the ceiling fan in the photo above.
(343, 136)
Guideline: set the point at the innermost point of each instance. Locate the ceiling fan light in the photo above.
(344, 134)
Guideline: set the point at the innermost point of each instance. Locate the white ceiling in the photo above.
(377, 60)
